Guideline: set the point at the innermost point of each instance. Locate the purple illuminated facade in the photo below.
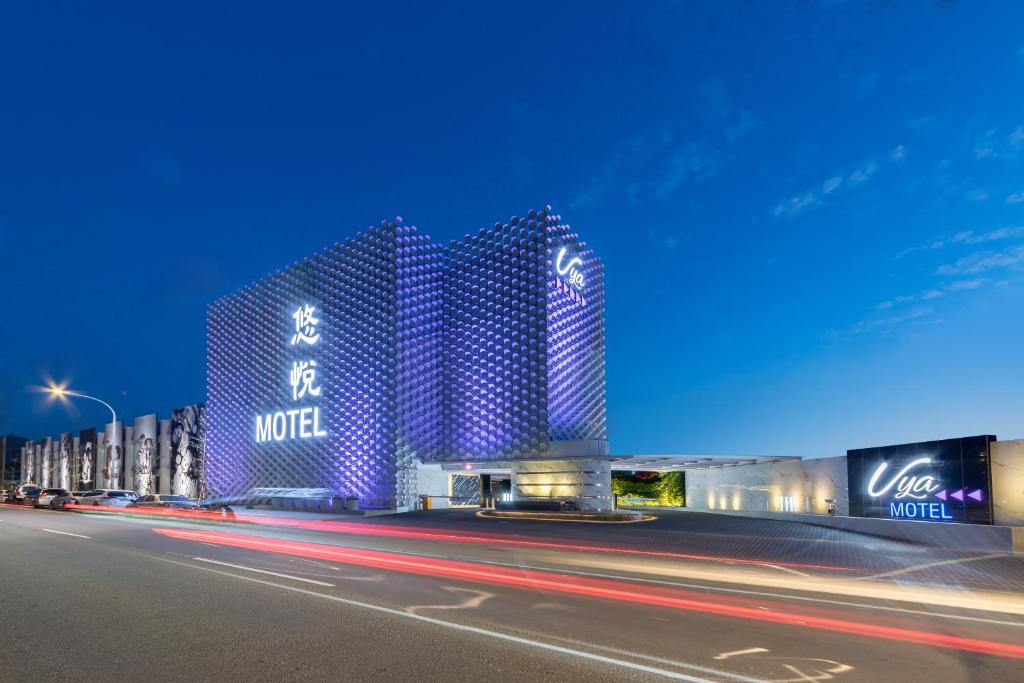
(524, 348)
(342, 371)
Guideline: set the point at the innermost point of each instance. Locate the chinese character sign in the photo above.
(303, 377)
(305, 325)
(301, 422)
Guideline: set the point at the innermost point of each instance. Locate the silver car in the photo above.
(47, 495)
(109, 498)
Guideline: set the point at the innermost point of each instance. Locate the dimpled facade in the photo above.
(524, 352)
(376, 299)
(480, 351)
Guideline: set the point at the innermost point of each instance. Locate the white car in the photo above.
(47, 495)
(109, 497)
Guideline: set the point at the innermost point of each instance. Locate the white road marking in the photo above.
(264, 571)
(65, 533)
(737, 653)
(786, 569)
(373, 579)
(476, 599)
(929, 565)
(540, 645)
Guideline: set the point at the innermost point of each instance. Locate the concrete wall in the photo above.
(585, 483)
(800, 486)
(1008, 482)
(432, 481)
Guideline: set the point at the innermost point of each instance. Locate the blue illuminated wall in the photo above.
(375, 295)
(523, 349)
(480, 350)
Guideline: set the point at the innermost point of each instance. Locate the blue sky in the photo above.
(811, 214)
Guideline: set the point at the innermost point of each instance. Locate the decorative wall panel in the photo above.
(186, 451)
(144, 461)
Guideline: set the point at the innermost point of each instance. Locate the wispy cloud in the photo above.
(841, 182)
(873, 324)
(1017, 137)
(697, 161)
(794, 206)
(985, 261)
(656, 164)
(966, 237)
(1015, 198)
(985, 145)
(746, 124)
(932, 294)
(972, 271)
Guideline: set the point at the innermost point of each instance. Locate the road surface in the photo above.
(446, 595)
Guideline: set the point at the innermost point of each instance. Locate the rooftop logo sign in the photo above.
(570, 269)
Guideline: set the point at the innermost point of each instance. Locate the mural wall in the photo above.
(113, 460)
(186, 462)
(87, 459)
(46, 463)
(145, 455)
(65, 456)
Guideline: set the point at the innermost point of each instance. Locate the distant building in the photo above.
(10, 459)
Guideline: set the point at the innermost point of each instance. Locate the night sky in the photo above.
(811, 214)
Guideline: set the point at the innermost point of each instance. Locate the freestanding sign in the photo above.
(932, 481)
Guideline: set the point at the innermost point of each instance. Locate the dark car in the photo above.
(164, 501)
(62, 502)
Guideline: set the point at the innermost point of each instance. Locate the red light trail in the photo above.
(621, 591)
(429, 534)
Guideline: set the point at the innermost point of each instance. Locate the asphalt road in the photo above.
(449, 596)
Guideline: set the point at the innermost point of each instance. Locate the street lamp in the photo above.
(61, 392)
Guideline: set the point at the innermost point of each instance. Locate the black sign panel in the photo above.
(932, 481)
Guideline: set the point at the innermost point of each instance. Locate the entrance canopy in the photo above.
(672, 463)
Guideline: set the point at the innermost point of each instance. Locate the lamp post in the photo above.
(61, 392)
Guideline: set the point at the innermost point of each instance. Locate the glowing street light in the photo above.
(61, 392)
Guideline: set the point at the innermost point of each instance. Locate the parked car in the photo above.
(165, 501)
(43, 498)
(73, 498)
(109, 497)
(20, 493)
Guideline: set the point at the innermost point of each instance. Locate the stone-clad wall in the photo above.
(766, 487)
(1008, 482)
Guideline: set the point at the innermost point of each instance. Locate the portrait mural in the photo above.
(46, 476)
(145, 464)
(186, 451)
(64, 458)
(86, 458)
(112, 445)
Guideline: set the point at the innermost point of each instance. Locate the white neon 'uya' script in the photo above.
(571, 270)
(906, 485)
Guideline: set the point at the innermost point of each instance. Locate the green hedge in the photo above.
(662, 488)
